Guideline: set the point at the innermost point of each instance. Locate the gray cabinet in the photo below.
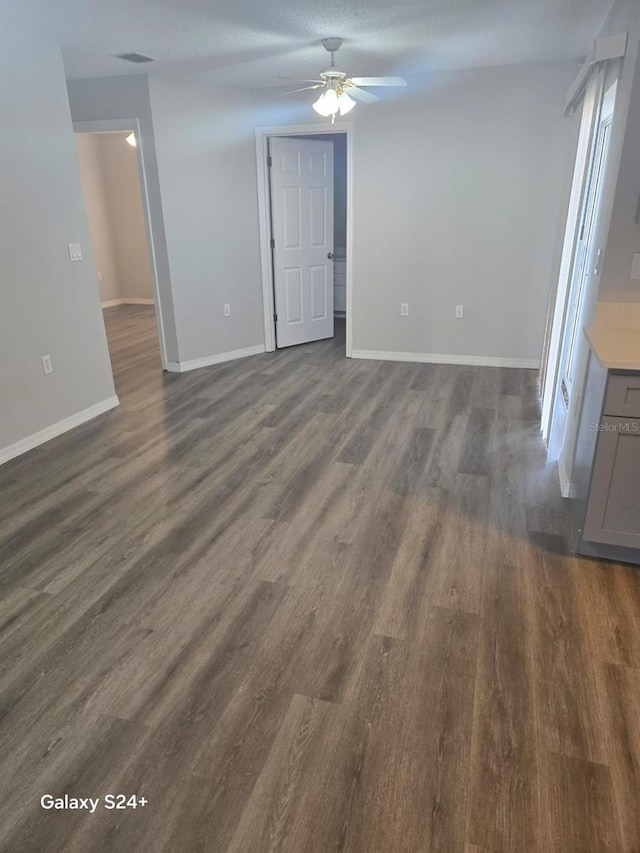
(611, 508)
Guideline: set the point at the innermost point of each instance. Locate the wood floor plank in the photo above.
(503, 813)
(456, 564)
(568, 714)
(75, 760)
(474, 459)
(402, 610)
(413, 782)
(279, 814)
(305, 602)
(578, 810)
(620, 698)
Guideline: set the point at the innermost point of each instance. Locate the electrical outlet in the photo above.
(75, 252)
(459, 312)
(46, 364)
(404, 309)
(227, 309)
(635, 267)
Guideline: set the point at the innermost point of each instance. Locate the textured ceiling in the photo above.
(251, 43)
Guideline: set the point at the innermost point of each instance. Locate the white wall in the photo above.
(47, 304)
(111, 187)
(206, 165)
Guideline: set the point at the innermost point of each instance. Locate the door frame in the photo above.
(576, 289)
(554, 344)
(119, 126)
(264, 220)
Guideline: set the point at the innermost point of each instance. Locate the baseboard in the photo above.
(566, 487)
(445, 358)
(46, 434)
(184, 366)
(126, 301)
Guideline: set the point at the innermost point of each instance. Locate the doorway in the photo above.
(306, 233)
(111, 165)
(565, 359)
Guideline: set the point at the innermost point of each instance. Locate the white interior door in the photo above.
(301, 178)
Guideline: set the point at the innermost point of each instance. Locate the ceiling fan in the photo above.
(339, 90)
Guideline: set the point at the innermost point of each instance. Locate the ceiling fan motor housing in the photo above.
(334, 79)
(332, 75)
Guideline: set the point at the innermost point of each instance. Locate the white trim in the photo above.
(604, 48)
(117, 126)
(447, 358)
(264, 220)
(557, 315)
(567, 490)
(46, 434)
(207, 361)
(126, 301)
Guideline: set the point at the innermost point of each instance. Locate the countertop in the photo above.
(615, 349)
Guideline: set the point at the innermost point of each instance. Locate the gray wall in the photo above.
(98, 210)
(111, 188)
(457, 202)
(340, 190)
(127, 97)
(48, 305)
(458, 193)
(199, 153)
(205, 147)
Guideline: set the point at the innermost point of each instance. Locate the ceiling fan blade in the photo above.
(379, 81)
(299, 80)
(303, 89)
(361, 95)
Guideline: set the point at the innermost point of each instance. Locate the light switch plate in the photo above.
(459, 312)
(635, 267)
(404, 309)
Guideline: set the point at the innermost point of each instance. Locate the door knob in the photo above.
(330, 255)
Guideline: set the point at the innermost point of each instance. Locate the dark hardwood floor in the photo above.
(302, 604)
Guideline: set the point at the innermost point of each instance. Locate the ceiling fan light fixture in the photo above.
(319, 106)
(327, 103)
(345, 103)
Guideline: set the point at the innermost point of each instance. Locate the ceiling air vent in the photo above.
(134, 57)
